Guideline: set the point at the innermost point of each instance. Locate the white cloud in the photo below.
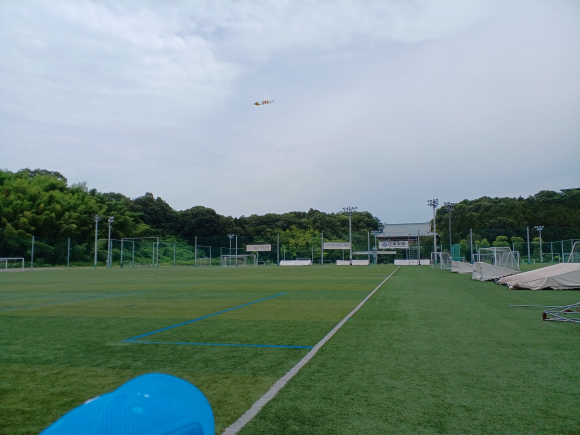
(376, 102)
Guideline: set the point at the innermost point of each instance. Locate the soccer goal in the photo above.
(241, 260)
(500, 257)
(494, 263)
(574, 256)
(441, 260)
(11, 263)
(202, 255)
(528, 261)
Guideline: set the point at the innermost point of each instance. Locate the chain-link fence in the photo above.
(40, 252)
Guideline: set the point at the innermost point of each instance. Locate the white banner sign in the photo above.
(258, 248)
(394, 245)
(386, 252)
(333, 245)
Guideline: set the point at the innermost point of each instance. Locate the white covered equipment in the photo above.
(461, 267)
(298, 262)
(494, 263)
(563, 276)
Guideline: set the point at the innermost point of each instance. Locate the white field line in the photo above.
(262, 401)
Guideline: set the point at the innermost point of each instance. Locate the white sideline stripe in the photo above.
(262, 401)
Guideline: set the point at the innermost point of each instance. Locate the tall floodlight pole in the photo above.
(110, 221)
(96, 218)
(349, 210)
(540, 228)
(434, 203)
(231, 236)
(449, 206)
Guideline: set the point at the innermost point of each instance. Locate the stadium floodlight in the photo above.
(349, 210)
(539, 228)
(96, 218)
(110, 221)
(434, 203)
(449, 206)
(231, 236)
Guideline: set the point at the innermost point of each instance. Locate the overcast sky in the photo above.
(377, 104)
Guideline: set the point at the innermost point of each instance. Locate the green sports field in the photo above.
(430, 352)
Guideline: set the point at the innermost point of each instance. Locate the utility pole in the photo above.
(434, 203)
(96, 218)
(231, 236)
(349, 210)
(110, 221)
(529, 258)
(375, 233)
(450, 206)
(540, 228)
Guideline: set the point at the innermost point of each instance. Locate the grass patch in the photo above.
(430, 352)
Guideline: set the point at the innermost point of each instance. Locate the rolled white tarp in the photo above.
(295, 263)
(360, 262)
(464, 267)
(563, 276)
(489, 272)
(354, 263)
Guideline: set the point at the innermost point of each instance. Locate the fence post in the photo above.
(471, 244)
(68, 253)
(195, 253)
(322, 248)
(278, 249)
(153, 255)
(174, 255)
(32, 255)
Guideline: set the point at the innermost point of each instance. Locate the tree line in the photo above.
(42, 203)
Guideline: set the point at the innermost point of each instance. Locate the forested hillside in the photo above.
(42, 203)
(557, 212)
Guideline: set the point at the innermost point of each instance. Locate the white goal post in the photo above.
(11, 263)
(239, 260)
(575, 253)
(441, 260)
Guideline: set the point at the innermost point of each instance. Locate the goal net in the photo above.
(440, 260)
(500, 257)
(7, 263)
(494, 263)
(241, 260)
(575, 254)
(202, 255)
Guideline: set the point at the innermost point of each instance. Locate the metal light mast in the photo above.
(449, 206)
(110, 221)
(540, 228)
(434, 203)
(349, 210)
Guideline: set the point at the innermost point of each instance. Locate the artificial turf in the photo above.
(430, 352)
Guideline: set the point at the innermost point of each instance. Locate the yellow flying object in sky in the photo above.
(261, 103)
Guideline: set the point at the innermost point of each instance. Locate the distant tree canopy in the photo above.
(41, 203)
(496, 219)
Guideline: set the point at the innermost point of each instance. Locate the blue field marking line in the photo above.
(201, 318)
(70, 301)
(134, 339)
(222, 344)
